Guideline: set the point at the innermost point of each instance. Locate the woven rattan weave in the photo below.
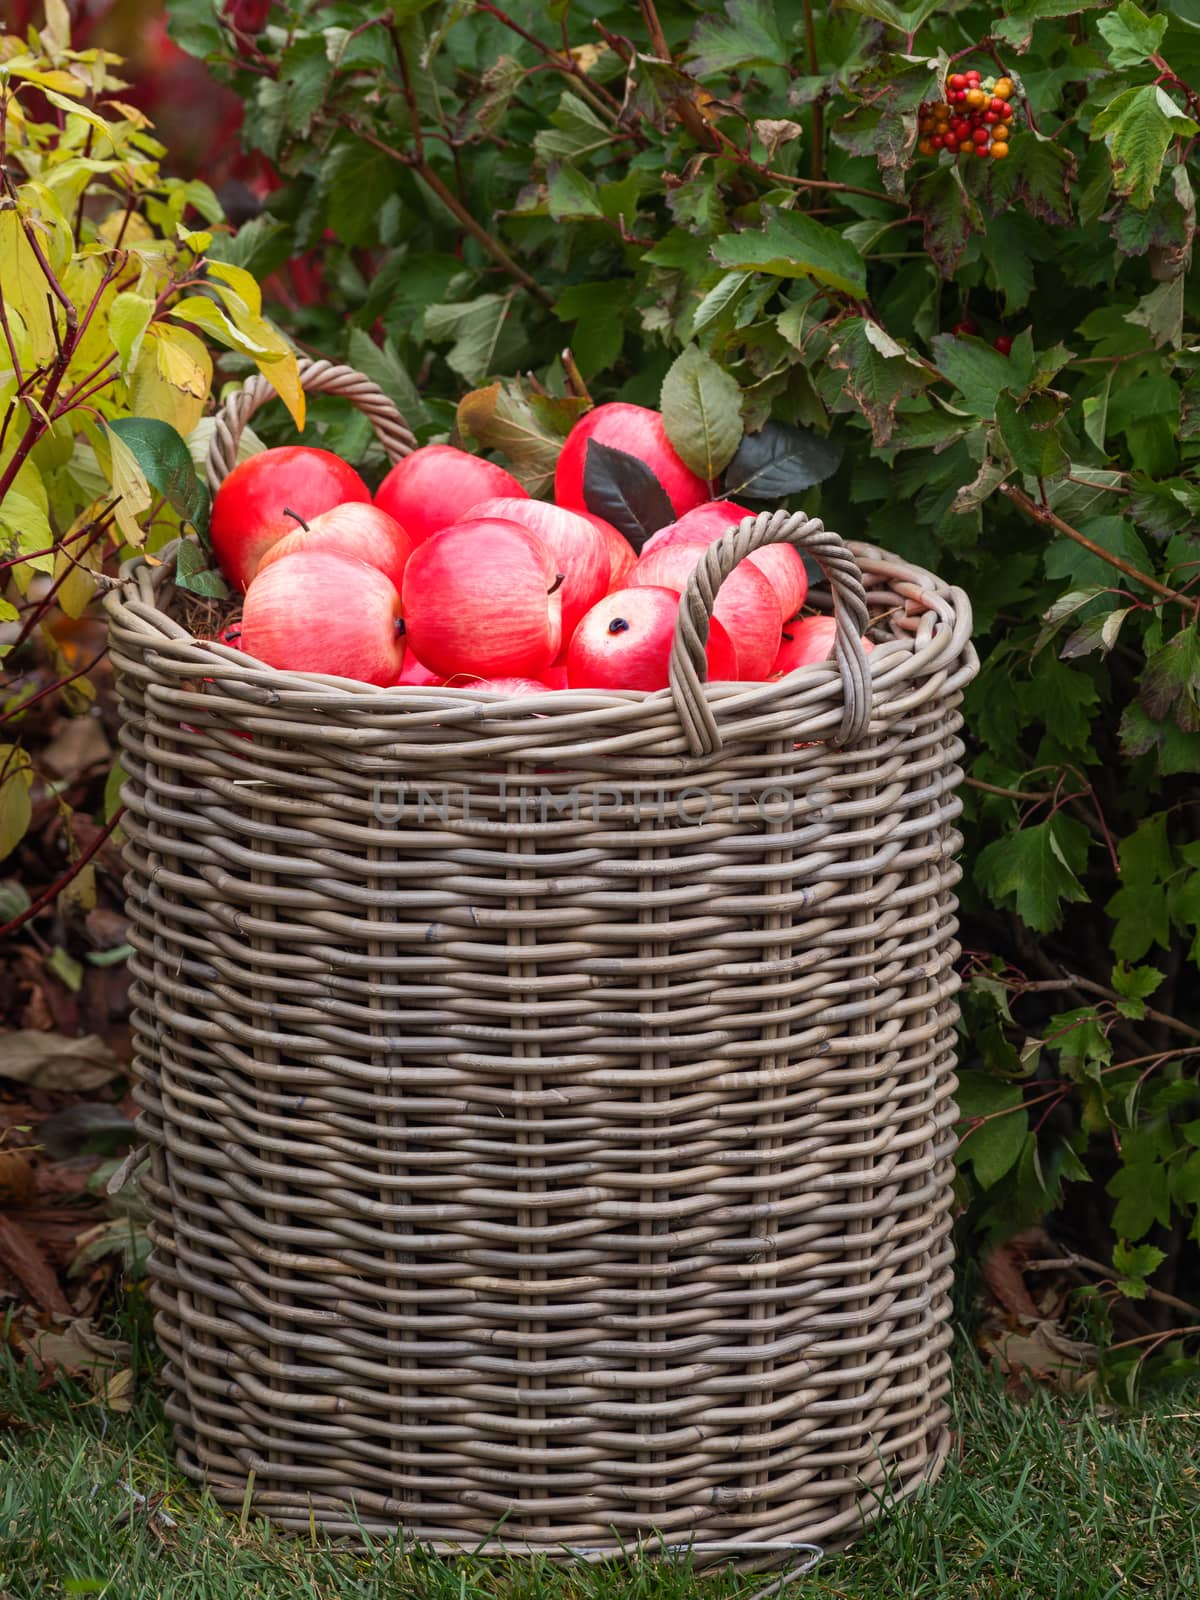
(550, 1099)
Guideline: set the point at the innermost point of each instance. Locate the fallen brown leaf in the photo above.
(1044, 1351)
(54, 1061)
(79, 744)
(77, 1348)
(18, 1186)
(1002, 1273)
(24, 1259)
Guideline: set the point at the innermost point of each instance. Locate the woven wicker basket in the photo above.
(550, 1099)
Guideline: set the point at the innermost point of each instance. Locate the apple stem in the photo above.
(558, 583)
(788, 636)
(296, 517)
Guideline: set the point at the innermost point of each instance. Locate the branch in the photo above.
(1044, 515)
(599, 97)
(1069, 981)
(818, 111)
(60, 883)
(453, 204)
(1100, 1270)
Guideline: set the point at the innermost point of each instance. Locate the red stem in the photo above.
(60, 883)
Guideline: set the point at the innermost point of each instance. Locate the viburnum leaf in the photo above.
(1035, 867)
(624, 491)
(977, 370)
(1171, 681)
(749, 36)
(880, 372)
(793, 245)
(1161, 313)
(948, 214)
(1138, 126)
(995, 1125)
(1133, 1264)
(1030, 431)
(1132, 36)
(701, 411)
(1143, 1197)
(1139, 908)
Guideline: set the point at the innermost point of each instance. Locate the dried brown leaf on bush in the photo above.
(53, 1061)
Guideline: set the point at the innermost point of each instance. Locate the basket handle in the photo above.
(831, 553)
(316, 377)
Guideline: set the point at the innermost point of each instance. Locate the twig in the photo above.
(1104, 1272)
(595, 93)
(1048, 518)
(453, 204)
(60, 883)
(818, 110)
(1087, 986)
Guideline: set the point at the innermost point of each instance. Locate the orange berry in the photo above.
(924, 146)
(1003, 89)
(999, 151)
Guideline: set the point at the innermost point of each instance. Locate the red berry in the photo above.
(960, 96)
(990, 116)
(962, 130)
(958, 81)
(1003, 343)
(974, 77)
(998, 104)
(951, 144)
(1005, 110)
(982, 136)
(968, 325)
(937, 141)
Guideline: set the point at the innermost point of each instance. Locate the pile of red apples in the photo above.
(452, 575)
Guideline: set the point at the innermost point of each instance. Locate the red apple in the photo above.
(249, 509)
(575, 542)
(625, 640)
(555, 676)
(484, 597)
(437, 484)
(415, 674)
(637, 431)
(362, 531)
(511, 686)
(747, 606)
(319, 612)
(621, 554)
(808, 640)
(780, 564)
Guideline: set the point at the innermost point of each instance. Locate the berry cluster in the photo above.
(974, 119)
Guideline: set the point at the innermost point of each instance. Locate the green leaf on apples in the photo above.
(780, 460)
(624, 491)
(193, 573)
(502, 417)
(162, 453)
(702, 412)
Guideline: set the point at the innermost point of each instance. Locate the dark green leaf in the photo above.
(193, 26)
(1138, 126)
(1171, 682)
(779, 461)
(1143, 1198)
(793, 245)
(596, 311)
(948, 215)
(1131, 35)
(1035, 868)
(749, 36)
(164, 457)
(623, 490)
(977, 370)
(701, 411)
(1030, 431)
(358, 180)
(1134, 1264)
(192, 571)
(990, 1146)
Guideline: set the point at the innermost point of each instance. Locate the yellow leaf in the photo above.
(255, 337)
(106, 130)
(15, 807)
(25, 286)
(8, 634)
(57, 32)
(129, 483)
(80, 892)
(195, 239)
(137, 229)
(243, 285)
(131, 113)
(42, 208)
(128, 318)
(172, 377)
(208, 315)
(77, 574)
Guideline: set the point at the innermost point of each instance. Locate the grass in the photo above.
(1043, 1501)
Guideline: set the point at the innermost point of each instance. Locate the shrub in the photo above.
(107, 294)
(1003, 349)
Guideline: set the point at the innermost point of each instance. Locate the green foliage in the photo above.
(105, 280)
(720, 208)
